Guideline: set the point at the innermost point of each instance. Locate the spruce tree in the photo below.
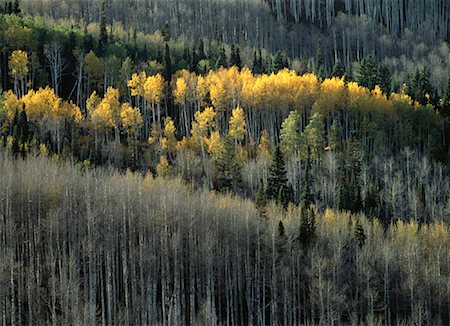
(235, 59)
(368, 73)
(16, 8)
(281, 230)
(338, 69)
(167, 64)
(201, 50)
(103, 40)
(228, 173)
(194, 62)
(307, 226)
(279, 61)
(255, 65)
(166, 32)
(222, 59)
(307, 197)
(278, 188)
(360, 235)
(385, 79)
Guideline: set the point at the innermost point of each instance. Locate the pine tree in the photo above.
(103, 40)
(16, 8)
(201, 50)
(349, 196)
(307, 197)
(421, 89)
(222, 59)
(360, 236)
(166, 32)
(235, 58)
(167, 64)
(256, 68)
(278, 188)
(194, 62)
(279, 61)
(281, 230)
(307, 228)
(338, 69)
(24, 128)
(228, 173)
(368, 73)
(385, 79)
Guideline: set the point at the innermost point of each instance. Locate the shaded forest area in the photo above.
(98, 247)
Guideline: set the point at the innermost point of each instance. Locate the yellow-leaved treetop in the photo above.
(184, 92)
(18, 68)
(49, 111)
(131, 120)
(169, 135)
(237, 125)
(8, 108)
(332, 96)
(107, 113)
(204, 122)
(153, 93)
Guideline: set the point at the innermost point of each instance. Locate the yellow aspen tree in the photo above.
(265, 146)
(153, 93)
(92, 103)
(163, 169)
(131, 120)
(8, 108)
(184, 93)
(169, 135)
(110, 102)
(237, 125)
(18, 68)
(204, 123)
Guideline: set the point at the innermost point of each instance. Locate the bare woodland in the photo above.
(97, 247)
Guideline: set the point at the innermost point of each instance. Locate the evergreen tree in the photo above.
(201, 50)
(368, 73)
(88, 41)
(194, 62)
(307, 228)
(166, 32)
(235, 58)
(385, 79)
(10, 9)
(222, 59)
(338, 69)
(360, 236)
(15, 147)
(445, 105)
(279, 61)
(228, 173)
(167, 64)
(281, 230)
(16, 8)
(256, 68)
(349, 196)
(320, 69)
(421, 89)
(307, 197)
(277, 183)
(103, 40)
(24, 128)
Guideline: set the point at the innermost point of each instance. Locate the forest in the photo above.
(271, 165)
